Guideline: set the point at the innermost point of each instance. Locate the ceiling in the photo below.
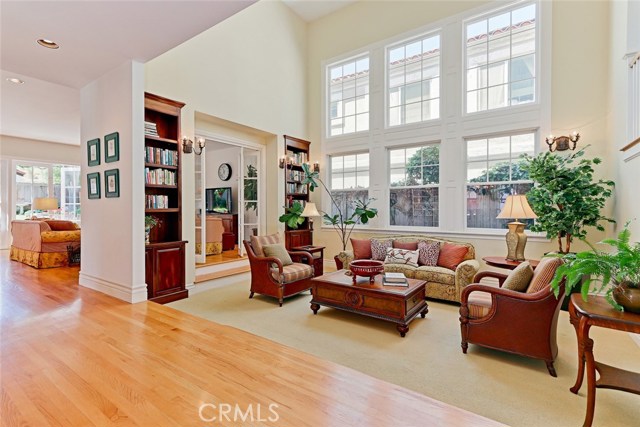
(94, 37)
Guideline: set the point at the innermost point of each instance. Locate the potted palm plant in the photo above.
(342, 223)
(615, 273)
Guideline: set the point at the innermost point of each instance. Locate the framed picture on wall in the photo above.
(93, 152)
(112, 183)
(112, 147)
(93, 185)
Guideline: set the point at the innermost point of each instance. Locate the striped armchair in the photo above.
(268, 275)
(523, 323)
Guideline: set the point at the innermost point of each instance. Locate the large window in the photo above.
(413, 70)
(349, 181)
(348, 96)
(494, 171)
(414, 180)
(501, 59)
(31, 182)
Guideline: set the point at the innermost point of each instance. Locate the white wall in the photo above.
(113, 228)
(579, 78)
(248, 70)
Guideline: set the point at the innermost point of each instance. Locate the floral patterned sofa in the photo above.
(43, 243)
(445, 283)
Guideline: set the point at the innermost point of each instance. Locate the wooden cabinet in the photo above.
(297, 153)
(165, 255)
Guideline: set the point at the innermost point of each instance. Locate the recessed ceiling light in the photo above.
(48, 44)
(15, 80)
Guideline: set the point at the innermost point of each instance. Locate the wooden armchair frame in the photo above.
(263, 282)
(517, 322)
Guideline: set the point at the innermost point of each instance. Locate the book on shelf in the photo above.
(394, 279)
(150, 129)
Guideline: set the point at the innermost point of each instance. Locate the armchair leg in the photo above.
(251, 294)
(551, 369)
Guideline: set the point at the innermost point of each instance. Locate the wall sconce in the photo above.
(282, 162)
(316, 167)
(562, 143)
(187, 145)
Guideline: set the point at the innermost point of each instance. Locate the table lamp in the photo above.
(44, 204)
(309, 211)
(516, 207)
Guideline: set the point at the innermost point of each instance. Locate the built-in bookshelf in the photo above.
(296, 154)
(165, 254)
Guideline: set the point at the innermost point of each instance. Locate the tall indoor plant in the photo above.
(617, 272)
(566, 197)
(342, 223)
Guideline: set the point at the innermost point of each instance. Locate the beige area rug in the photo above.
(511, 389)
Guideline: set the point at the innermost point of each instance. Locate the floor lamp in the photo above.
(516, 207)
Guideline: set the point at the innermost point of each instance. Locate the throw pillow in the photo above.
(412, 246)
(451, 255)
(544, 273)
(379, 249)
(428, 253)
(257, 242)
(519, 278)
(59, 225)
(361, 248)
(401, 256)
(278, 251)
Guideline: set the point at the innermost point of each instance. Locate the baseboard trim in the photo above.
(131, 294)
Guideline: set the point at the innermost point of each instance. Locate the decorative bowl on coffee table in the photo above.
(366, 268)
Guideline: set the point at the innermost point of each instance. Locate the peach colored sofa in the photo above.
(214, 231)
(43, 243)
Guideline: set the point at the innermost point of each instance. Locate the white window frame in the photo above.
(388, 48)
(451, 129)
(357, 189)
(499, 231)
(538, 68)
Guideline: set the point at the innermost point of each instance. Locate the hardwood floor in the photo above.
(225, 256)
(71, 356)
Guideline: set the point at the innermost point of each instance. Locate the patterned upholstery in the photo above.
(435, 274)
(257, 242)
(479, 304)
(379, 248)
(519, 279)
(35, 243)
(428, 253)
(402, 256)
(543, 274)
(292, 273)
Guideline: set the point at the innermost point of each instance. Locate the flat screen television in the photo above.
(218, 200)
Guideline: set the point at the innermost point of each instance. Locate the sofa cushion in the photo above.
(257, 242)
(278, 251)
(361, 248)
(543, 274)
(518, 280)
(401, 256)
(412, 246)
(479, 304)
(428, 253)
(451, 255)
(379, 249)
(436, 274)
(292, 272)
(59, 225)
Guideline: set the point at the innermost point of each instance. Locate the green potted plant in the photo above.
(292, 215)
(615, 273)
(566, 197)
(150, 221)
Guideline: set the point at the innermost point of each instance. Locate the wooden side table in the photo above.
(318, 257)
(502, 262)
(597, 312)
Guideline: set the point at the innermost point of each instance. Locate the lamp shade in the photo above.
(45, 203)
(310, 210)
(517, 207)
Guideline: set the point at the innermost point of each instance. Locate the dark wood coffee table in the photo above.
(397, 304)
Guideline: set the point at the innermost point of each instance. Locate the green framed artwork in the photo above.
(112, 147)
(112, 183)
(93, 185)
(93, 152)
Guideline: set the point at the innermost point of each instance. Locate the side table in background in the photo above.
(318, 257)
(502, 262)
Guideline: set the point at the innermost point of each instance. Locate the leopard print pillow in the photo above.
(379, 249)
(428, 253)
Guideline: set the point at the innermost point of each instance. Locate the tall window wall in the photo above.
(349, 181)
(448, 112)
